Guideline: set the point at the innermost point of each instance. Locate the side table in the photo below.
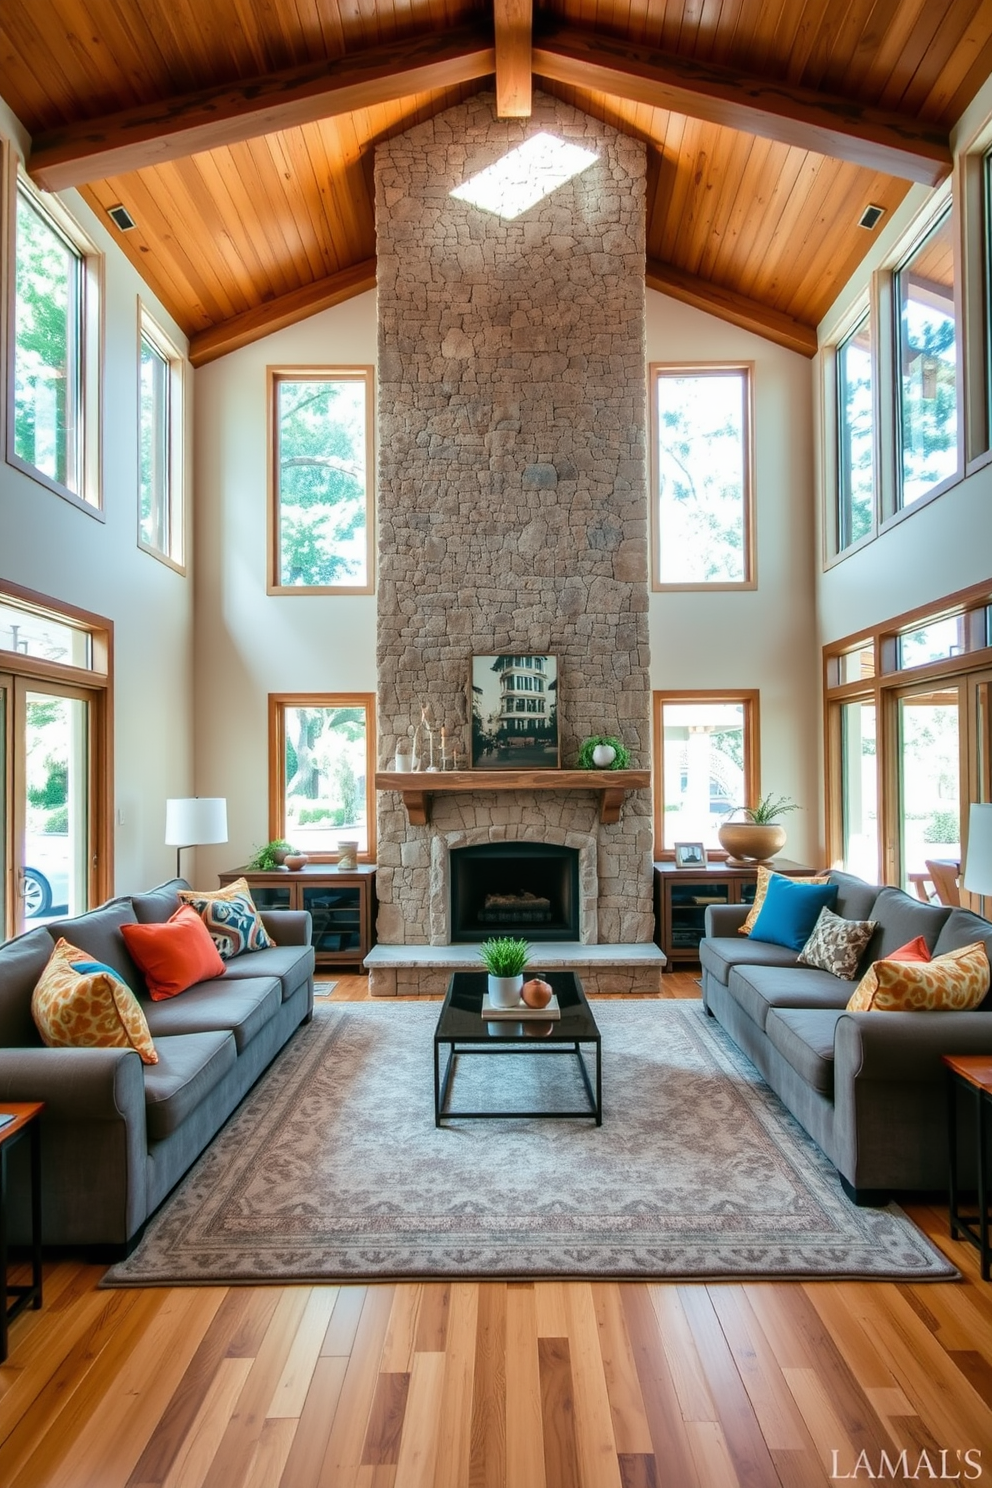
(971, 1072)
(25, 1123)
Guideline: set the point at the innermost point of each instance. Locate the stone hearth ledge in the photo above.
(424, 970)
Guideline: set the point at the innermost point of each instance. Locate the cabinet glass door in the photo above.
(337, 918)
(272, 897)
(689, 901)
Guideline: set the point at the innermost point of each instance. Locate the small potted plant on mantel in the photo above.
(604, 752)
(759, 836)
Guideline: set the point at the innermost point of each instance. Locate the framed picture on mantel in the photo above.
(513, 705)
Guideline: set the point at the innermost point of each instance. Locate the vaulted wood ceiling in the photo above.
(239, 134)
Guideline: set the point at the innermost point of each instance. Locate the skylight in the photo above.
(526, 175)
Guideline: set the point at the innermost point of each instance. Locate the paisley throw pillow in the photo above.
(231, 917)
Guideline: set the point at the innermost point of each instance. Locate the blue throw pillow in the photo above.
(790, 911)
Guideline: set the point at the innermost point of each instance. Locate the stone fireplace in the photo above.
(512, 496)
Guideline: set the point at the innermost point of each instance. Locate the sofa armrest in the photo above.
(906, 1046)
(288, 926)
(76, 1084)
(724, 919)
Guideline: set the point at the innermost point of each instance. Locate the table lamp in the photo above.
(194, 822)
(978, 864)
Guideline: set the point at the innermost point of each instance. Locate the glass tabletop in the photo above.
(461, 1012)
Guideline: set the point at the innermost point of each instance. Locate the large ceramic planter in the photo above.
(748, 843)
(504, 992)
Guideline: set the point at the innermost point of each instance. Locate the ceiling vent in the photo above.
(121, 217)
(870, 216)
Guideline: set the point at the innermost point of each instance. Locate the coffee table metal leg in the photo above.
(441, 1090)
(599, 1084)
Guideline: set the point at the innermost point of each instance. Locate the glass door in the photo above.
(930, 774)
(6, 799)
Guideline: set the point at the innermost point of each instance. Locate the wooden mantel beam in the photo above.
(841, 128)
(727, 305)
(514, 23)
(229, 113)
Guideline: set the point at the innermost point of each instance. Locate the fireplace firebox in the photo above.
(529, 889)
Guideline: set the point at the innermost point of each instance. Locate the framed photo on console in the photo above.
(690, 855)
(513, 707)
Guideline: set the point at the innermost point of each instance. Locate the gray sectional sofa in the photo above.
(868, 1087)
(117, 1135)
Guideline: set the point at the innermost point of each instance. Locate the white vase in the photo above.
(603, 756)
(404, 762)
(504, 992)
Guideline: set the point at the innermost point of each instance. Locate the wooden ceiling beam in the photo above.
(727, 305)
(284, 310)
(224, 115)
(514, 23)
(898, 145)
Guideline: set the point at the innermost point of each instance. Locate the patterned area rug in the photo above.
(333, 1168)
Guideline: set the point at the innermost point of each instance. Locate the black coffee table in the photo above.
(463, 1029)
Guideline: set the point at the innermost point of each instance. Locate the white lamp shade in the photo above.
(978, 866)
(195, 821)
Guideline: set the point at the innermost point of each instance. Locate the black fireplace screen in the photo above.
(514, 888)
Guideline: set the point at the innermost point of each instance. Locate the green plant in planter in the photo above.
(768, 810)
(504, 955)
(264, 859)
(621, 756)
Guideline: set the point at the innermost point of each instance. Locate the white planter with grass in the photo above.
(504, 991)
(505, 959)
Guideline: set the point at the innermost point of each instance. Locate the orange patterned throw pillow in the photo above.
(82, 1004)
(954, 982)
(761, 889)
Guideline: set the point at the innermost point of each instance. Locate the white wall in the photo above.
(249, 643)
(763, 638)
(48, 544)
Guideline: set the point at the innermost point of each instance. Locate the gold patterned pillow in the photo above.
(81, 1004)
(231, 917)
(837, 945)
(954, 982)
(761, 889)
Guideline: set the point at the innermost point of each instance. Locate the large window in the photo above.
(54, 351)
(701, 446)
(706, 763)
(856, 430)
(927, 334)
(322, 771)
(160, 443)
(55, 829)
(321, 454)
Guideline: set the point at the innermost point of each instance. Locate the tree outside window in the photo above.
(856, 430)
(324, 771)
(928, 364)
(322, 464)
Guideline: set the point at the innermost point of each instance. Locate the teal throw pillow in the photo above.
(790, 911)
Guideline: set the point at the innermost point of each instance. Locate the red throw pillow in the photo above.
(175, 955)
(913, 950)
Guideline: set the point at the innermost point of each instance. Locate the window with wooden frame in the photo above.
(321, 492)
(161, 443)
(927, 339)
(54, 347)
(856, 515)
(908, 738)
(706, 764)
(701, 476)
(322, 772)
(56, 832)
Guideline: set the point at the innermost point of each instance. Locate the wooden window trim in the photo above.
(278, 702)
(92, 341)
(703, 369)
(149, 329)
(275, 375)
(750, 698)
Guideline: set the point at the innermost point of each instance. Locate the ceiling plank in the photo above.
(230, 113)
(842, 128)
(285, 310)
(738, 309)
(514, 23)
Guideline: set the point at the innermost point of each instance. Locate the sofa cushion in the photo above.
(174, 956)
(241, 1007)
(760, 988)
(900, 919)
(955, 982)
(158, 904)
(22, 962)
(836, 944)
(231, 917)
(805, 1039)
(292, 964)
(790, 911)
(720, 954)
(854, 897)
(98, 933)
(188, 1069)
(963, 928)
(84, 1004)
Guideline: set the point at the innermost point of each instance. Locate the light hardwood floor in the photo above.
(495, 1385)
